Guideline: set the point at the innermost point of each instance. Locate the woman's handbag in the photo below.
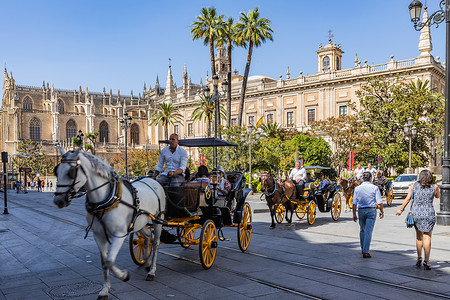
(409, 220)
(409, 217)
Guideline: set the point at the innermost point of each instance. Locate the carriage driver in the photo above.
(174, 159)
(298, 176)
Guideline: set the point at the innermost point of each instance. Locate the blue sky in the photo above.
(122, 44)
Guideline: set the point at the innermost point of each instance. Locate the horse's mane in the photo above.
(100, 167)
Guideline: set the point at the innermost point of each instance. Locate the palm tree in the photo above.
(270, 130)
(253, 30)
(204, 109)
(207, 28)
(227, 35)
(167, 114)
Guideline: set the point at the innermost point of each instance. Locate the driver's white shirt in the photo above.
(172, 161)
(373, 171)
(297, 174)
(359, 173)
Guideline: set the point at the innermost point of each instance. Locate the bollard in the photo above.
(5, 178)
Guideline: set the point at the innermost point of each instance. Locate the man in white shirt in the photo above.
(359, 172)
(174, 159)
(298, 176)
(372, 171)
(366, 197)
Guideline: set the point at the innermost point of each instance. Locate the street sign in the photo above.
(379, 159)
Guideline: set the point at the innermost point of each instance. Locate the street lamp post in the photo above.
(443, 216)
(248, 137)
(125, 123)
(216, 97)
(410, 132)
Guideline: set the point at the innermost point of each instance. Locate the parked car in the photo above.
(401, 184)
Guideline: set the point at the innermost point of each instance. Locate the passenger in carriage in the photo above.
(173, 159)
(324, 182)
(224, 186)
(202, 174)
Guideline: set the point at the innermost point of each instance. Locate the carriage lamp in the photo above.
(214, 177)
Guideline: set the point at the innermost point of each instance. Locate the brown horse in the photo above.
(348, 187)
(277, 193)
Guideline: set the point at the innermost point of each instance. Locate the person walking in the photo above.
(365, 198)
(422, 194)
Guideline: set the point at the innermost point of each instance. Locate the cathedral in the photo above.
(52, 116)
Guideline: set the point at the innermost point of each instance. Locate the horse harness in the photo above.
(111, 202)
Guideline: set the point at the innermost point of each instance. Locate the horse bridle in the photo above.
(266, 185)
(73, 173)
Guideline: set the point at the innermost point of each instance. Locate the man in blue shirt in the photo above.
(366, 197)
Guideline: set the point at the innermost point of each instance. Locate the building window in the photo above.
(343, 110)
(269, 118)
(311, 116)
(134, 132)
(190, 129)
(338, 63)
(60, 106)
(326, 63)
(234, 122)
(251, 120)
(35, 129)
(290, 119)
(176, 129)
(71, 129)
(27, 104)
(104, 132)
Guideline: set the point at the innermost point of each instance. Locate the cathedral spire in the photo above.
(169, 83)
(425, 45)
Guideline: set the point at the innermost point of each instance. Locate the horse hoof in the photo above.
(272, 227)
(127, 277)
(150, 277)
(104, 297)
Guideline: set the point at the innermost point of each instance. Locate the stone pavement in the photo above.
(43, 256)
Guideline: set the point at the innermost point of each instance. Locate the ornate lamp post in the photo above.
(443, 216)
(217, 96)
(249, 139)
(80, 138)
(410, 132)
(125, 123)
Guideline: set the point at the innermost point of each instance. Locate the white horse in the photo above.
(111, 210)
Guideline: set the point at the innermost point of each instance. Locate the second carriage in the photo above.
(195, 207)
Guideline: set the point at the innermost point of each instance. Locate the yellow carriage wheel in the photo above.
(208, 244)
(350, 202)
(300, 211)
(311, 212)
(390, 196)
(245, 227)
(186, 236)
(336, 207)
(280, 211)
(137, 247)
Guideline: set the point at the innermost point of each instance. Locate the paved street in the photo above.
(43, 256)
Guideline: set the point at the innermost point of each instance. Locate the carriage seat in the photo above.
(192, 194)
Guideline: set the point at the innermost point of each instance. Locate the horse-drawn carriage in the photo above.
(195, 206)
(316, 194)
(117, 208)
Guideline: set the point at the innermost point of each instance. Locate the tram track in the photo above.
(266, 257)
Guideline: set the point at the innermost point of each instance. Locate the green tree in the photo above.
(270, 130)
(204, 110)
(207, 27)
(386, 105)
(227, 34)
(167, 114)
(33, 158)
(251, 31)
(139, 160)
(92, 137)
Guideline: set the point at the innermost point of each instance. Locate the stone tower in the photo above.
(329, 57)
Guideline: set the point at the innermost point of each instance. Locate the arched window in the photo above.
(338, 63)
(326, 63)
(104, 132)
(71, 129)
(134, 132)
(35, 129)
(27, 104)
(60, 106)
